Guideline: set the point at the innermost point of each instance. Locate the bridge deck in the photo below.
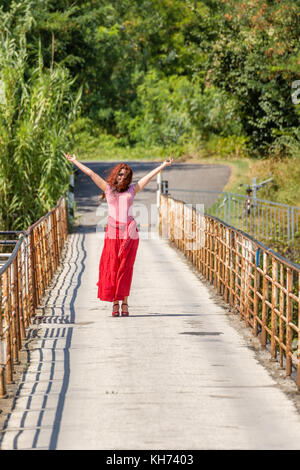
(173, 375)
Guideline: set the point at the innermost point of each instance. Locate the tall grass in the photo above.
(36, 110)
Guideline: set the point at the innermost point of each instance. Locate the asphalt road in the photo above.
(183, 176)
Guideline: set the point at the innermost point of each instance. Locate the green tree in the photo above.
(254, 60)
(36, 109)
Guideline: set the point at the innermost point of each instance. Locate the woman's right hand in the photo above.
(70, 158)
(168, 162)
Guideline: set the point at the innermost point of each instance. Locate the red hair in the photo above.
(112, 178)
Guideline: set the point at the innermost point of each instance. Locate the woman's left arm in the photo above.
(147, 178)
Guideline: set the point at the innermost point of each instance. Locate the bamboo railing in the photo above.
(260, 285)
(23, 281)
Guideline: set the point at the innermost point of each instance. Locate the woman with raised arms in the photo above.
(121, 237)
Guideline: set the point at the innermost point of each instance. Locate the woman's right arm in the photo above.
(100, 182)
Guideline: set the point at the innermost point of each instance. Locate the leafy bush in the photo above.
(255, 61)
(173, 110)
(36, 110)
(227, 147)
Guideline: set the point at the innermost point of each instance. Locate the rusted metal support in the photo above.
(298, 342)
(259, 284)
(264, 301)
(23, 281)
(289, 320)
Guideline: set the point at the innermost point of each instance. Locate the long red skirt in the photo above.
(117, 260)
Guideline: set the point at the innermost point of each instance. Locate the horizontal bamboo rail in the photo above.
(260, 285)
(23, 281)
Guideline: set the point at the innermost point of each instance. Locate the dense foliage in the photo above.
(217, 74)
(36, 109)
(257, 59)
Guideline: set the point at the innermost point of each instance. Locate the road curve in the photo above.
(193, 176)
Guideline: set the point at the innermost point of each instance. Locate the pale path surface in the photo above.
(173, 375)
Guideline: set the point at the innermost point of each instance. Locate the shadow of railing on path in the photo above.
(39, 399)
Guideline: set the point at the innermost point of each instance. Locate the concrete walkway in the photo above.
(173, 375)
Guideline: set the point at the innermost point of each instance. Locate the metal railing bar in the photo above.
(242, 196)
(196, 191)
(12, 257)
(257, 242)
(8, 242)
(35, 224)
(23, 280)
(262, 286)
(11, 232)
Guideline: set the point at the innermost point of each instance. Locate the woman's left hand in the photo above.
(168, 162)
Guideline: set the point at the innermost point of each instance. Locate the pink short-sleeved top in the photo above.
(120, 204)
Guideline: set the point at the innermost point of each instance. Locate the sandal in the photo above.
(123, 313)
(115, 312)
